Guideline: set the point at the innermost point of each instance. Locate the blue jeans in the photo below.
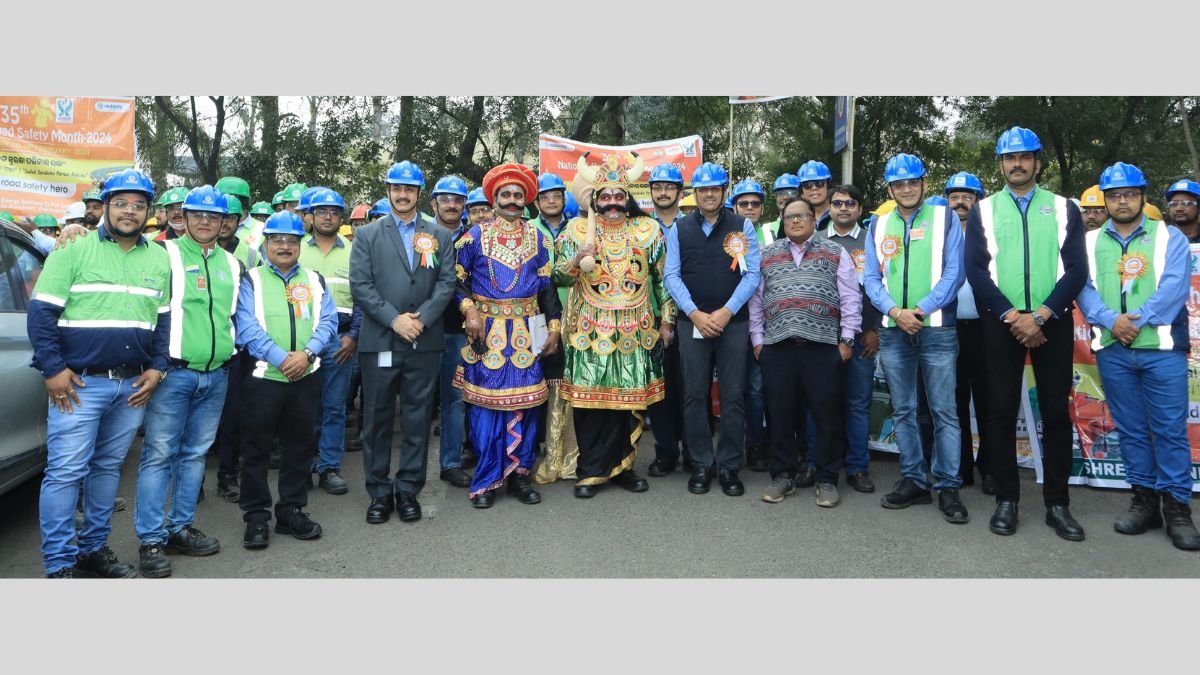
(453, 409)
(181, 423)
(335, 385)
(755, 406)
(85, 449)
(858, 384)
(1147, 392)
(933, 350)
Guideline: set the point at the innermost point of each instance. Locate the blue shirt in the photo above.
(253, 335)
(1161, 308)
(663, 226)
(745, 288)
(407, 232)
(943, 292)
(43, 242)
(1022, 202)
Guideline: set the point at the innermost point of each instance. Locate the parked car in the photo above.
(22, 389)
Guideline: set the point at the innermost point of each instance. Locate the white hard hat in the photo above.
(76, 210)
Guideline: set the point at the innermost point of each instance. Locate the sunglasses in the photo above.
(749, 204)
(847, 203)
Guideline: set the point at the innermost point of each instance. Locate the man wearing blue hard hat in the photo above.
(815, 181)
(1026, 263)
(402, 275)
(912, 274)
(712, 270)
(748, 197)
(449, 200)
(1182, 199)
(1136, 300)
(963, 191)
(786, 187)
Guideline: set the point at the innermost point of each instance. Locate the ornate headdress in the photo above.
(510, 173)
(615, 172)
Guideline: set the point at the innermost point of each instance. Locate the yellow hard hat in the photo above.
(346, 230)
(1152, 211)
(1092, 198)
(689, 200)
(885, 208)
(152, 222)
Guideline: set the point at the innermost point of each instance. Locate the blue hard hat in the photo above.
(550, 181)
(729, 202)
(1121, 175)
(813, 170)
(450, 185)
(709, 174)
(787, 181)
(381, 207)
(477, 197)
(284, 222)
(306, 198)
(406, 173)
(902, 167)
(964, 182)
(326, 197)
(570, 206)
(937, 200)
(666, 173)
(205, 198)
(1184, 185)
(747, 187)
(1017, 139)
(127, 180)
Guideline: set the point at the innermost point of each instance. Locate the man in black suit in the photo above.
(402, 275)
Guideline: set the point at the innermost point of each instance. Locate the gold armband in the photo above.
(466, 304)
(554, 326)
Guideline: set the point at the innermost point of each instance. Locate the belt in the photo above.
(506, 308)
(119, 373)
(180, 363)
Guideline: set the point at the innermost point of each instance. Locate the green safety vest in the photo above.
(1025, 251)
(334, 266)
(204, 293)
(246, 254)
(550, 245)
(911, 269)
(1145, 257)
(766, 233)
(289, 324)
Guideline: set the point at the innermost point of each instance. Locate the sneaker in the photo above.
(64, 573)
(257, 536)
(904, 494)
(228, 489)
(333, 483)
(192, 541)
(780, 487)
(860, 482)
(153, 562)
(951, 506)
(296, 523)
(102, 564)
(827, 495)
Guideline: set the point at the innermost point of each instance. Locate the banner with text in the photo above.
(738, 100)
(55, 148)
(560, 156)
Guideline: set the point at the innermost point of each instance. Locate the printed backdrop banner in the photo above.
(54, 148)
(561, 156)
(736, 100)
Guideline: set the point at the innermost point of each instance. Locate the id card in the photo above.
(696, 334)
(385, 359)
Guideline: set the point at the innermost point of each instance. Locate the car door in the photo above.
(22, 392)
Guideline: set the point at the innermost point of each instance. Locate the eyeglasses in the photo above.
(552, 195)
(1127, 195)
(1181, 202)
(664, 187)
(121, 204)
(786, 192)
(906, 184)
(171, 208)
(813, 184)
(451, 199)
(749, 204)
(479, 210)
(326, 211)
(288, 239)
(204, 216)
(839, 203)
(797, 217)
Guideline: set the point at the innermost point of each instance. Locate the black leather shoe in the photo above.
(806, 477)
(354, 445)
(631, 481)
(456, 477)
(103, 564)
(484, 500)
(153, 562)
(1004, 519)
(989, 485)
(522, 487)
(1059, 517)
(585, 491)
(660, 468)
(905, 494)
(408, 507)
(258, 535)
(951, 506)
(191, 541)
(698, 483)
(860, 482)
(227, 488)
(730, 483)
(64, 573)
(1180, 527)
(1142, 514)
(380, 510)
(295, 522)
(756, 459)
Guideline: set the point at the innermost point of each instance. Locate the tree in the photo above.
(205, 149)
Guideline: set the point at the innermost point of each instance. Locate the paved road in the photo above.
(665, 532)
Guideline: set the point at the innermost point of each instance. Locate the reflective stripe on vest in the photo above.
(339, 281)
(261, 366)
(178, 277)
(993, 246)
(1159, 261)
(937, 244)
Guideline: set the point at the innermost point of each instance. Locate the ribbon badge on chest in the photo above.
(736, 246)
(1131, 266)
(889, 248)
(300, 297)
(426, 247)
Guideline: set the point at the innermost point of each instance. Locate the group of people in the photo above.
(546, 342)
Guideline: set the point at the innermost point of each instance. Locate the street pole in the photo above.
(730, 160)
(848, 153)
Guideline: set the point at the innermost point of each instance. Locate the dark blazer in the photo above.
(384, 285)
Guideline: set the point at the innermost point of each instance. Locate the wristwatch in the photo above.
(1039, 319)
(849, 342)
(162, 375)
(310, 354)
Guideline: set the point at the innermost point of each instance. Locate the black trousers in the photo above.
(802, 379)
(411, 377)
(229, 432)
(1052, 368)
(604, 441)
(696, 357)
(667, 414)
(283, 410)
(972, 382)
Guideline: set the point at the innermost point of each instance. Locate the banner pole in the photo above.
(731, 138)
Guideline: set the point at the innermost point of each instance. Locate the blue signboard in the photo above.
(841, 113)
